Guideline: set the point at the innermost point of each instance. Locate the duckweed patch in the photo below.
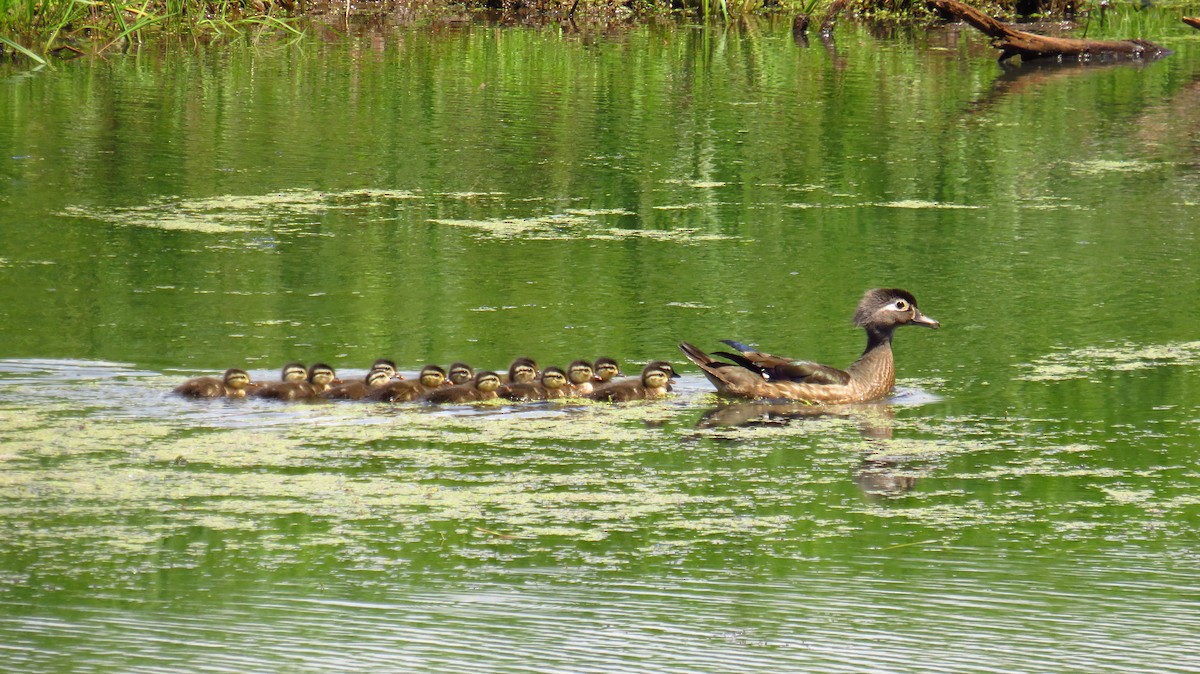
(547, 479)
(1100, 166)
(1084, 362)
(922, 205)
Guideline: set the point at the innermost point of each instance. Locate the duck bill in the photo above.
(921, 319)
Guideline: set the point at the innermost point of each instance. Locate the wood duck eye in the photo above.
(901, 305)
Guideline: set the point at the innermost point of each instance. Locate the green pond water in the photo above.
(1028, 501)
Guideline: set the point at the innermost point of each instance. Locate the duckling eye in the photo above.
(901, 305)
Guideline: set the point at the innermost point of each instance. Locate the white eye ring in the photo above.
(901, 305)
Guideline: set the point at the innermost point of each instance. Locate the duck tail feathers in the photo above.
(744, 348)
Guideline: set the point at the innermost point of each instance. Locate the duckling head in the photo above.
(607, 368)
(554, 378)
(236, 379)
(321, 374)
(293, 373)
(432, 376)
(377, 377)
(384, 365)
(461, 373)
(662, 366)
(580, 371)
(487, 381)
(522, 371)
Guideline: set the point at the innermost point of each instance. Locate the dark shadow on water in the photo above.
(1026, 77)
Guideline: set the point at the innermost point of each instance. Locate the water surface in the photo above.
(1027, 501)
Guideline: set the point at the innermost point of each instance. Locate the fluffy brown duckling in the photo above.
(290, 373)
(553, 384)
(580, 377)
(231, 385)
(481, 387)
(320, 377)
(754, 374)
(655, 382)
(522, 371)
(388, 366)
(431, 377)
(606, 369)
(460, 373)
(357, 390)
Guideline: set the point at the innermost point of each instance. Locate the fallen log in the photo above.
(1029, 46)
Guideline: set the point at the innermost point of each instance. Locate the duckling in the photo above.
(655, 382)
(481, 387)
(553, 384)
(606, 370)
(460, 373)
(753, 374)
(357, 390)
(580, 374)
(232, 385)
(290, 373)
(522, 371)
(431, 377)
(387, 366)
(320, 377)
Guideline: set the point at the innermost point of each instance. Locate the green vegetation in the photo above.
(65, 28)
(38, 29)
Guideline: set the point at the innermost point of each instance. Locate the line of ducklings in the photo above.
(524, 381)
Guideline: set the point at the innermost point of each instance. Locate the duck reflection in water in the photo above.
(877, 477)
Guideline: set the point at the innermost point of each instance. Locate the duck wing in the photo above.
(780, 368)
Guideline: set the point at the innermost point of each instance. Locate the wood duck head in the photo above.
(553, 378)
(882, 310)
(606, 369)
(432, 376)
(385, 365)
(235, 379)
(377, 377)
(321, 376)
(460, 373)
(658, 375)
(293, 373)
(579, 372)
(523, 371)
(486, 381)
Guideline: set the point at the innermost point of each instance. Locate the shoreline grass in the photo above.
(40, 29)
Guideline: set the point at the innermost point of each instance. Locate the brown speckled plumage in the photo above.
(753, 374)
(231, 385)
(655, 382)
(481, 387)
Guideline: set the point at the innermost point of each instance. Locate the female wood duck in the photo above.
(320, 377)
(232, 385)
(460, 373)
(606, 369)
(481, 387)
(655, 382)
(357, 390)
(579, 377)
(553, 384)
(760, 375)
(522, 371)
(431, 377)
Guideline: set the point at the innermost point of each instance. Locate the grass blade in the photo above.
(32, 56)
